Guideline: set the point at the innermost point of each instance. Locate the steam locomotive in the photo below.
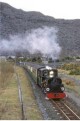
(47, 78)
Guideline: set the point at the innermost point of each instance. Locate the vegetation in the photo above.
(31, 59)
(31, 108)
(68, 58)
(10, 108)
(69, 82)
(70, 76)
(74, 69)
(71, 86)
(77, 57)
(9, 101)
(36, 59)
(6, 73)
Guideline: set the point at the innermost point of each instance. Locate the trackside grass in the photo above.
(9, 100)
(32, 111)
(10, 108)
(72, 85)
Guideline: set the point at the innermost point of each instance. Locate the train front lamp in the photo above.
(62, 88)
(51, 74)
(47, 89)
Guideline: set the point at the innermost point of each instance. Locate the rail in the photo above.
(65, 110)
(20, 96)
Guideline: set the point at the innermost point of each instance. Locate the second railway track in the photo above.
(65, 110)
(20, 97)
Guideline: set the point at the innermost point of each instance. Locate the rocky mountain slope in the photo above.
(13, 21)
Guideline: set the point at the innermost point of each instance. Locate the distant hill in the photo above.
(14, 21)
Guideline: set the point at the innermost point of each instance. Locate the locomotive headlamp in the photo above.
(62, 88)
(47, 89)
(51, 73)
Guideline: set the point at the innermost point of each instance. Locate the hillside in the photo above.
(14, 21)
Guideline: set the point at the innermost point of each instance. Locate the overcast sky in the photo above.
(67, 9)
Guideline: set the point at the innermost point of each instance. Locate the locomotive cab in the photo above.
(43, 73)
(45, 76)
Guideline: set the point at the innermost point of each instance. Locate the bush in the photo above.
(75, 72)
(70, 66)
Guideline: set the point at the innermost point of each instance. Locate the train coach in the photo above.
(47, 78)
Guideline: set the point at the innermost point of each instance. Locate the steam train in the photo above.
(47, 78)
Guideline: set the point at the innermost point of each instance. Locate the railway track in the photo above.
(65, 110)
(20, 94)
(20, 97)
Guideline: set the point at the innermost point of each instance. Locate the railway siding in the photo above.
(9, 101)
(31, 109)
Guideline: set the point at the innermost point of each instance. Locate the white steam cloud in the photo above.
(43, 40)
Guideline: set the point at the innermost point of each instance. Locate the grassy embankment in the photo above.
(72, 70)
(9, 100)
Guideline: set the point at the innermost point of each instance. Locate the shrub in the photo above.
(75, 72)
